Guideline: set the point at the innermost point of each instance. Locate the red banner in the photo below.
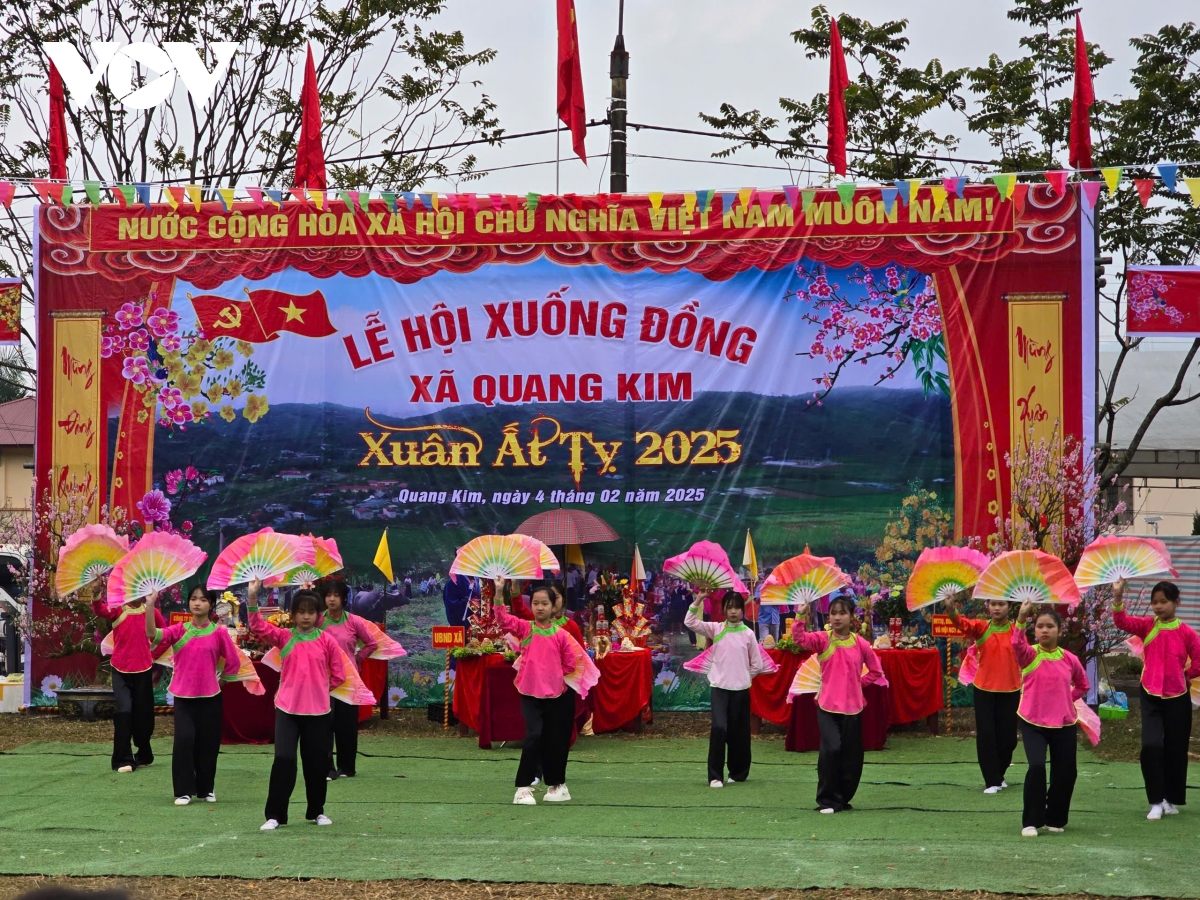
(943, 627)
(10, 311)
(1163, 301)
(447, 637)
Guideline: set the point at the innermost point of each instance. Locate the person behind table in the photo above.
(132, 681)
(733, 662)
(201, 648)
(350, 632)
(547, 655)
(311, 666)
(561, 619)
(841, 655)
(997, 689)
(1171, 657)
(1052, 679)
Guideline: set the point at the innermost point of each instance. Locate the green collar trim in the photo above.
(1042, 656)
(298, 638)
(330, 620)
(993, 629)
(535, 629)
(193, 632)
(835, 644)
(730, 629)
(1160, 625)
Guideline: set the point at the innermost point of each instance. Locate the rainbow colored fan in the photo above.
(969, 667)
(326, 561)
(942, 572)
(1027, 575)
(494, 556)
(802, 579)
(705, 566)
(261, 555)
(353, 689)
(1088, 721)
(89, 553)
(159, 560)
(585, 675)
(387, 646)
(1194, 691)
(808, 678)
(247, 675)
(1110, 559)
(546, 558)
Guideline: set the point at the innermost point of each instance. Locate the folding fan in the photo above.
(802, 579)
(545, 556)
(326, 561)
(1088, 721)
(157, 561)
(705, 566)
(1194, 691)
(87, 554)
(247, 675)
(389, 648)
(702, 663)
(352, 690)
(272, 660)
(1135, 645)
(942, 572)
(585, 675)
(808, 678)
(497, 556)
(261, 555)
(1021, 575)
(1110, 559)
(969, 667)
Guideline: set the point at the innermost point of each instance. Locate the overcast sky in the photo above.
(688, 56)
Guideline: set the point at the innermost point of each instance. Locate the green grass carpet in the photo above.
(642, 813)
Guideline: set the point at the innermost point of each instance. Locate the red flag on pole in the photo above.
(310, 156)
(570, 80)
(839, 80)
(1085, 96)
(58, 126)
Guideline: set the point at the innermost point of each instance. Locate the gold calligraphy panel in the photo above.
(1035, 377)
(75, 443)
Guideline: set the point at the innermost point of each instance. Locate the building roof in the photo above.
(16, 422)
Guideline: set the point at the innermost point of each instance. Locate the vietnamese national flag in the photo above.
(1080, 148)
(58, 126)
(264, 314)
(570, 80)
(310, 156)
(839, 80)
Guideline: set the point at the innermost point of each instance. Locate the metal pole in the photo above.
(618, 71)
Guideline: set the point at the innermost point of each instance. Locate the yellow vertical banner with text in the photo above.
(1035, 375)
(75, 444)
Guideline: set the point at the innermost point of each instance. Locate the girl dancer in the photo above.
(731, 662)
(549, 665)
(200, 648)
(1171, 653)
(348, 632)
(132, 681)
(311, 667)
(1052, 679)
(841, 655)
(997, 690)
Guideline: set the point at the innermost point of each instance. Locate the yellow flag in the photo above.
(1112, 177)
(1194, 187)
(383, 557)
(750, 558)
(196, 194)
(655, 198)
(639, 570)
(744, 195)
(939, 196)
(318, 197)
(689, 201)
(574, 555)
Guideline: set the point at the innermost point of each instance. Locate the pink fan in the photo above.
(247, 675)
(544, 555)
(159, 560)
(1088, 721)
(389, 648)
(969, 667)
(260, 555)
(702, 663)
(1135, 645)
(706, 567)
(90, 552)
(585, 675)
(352, 690)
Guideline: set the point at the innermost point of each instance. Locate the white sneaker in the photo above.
(557, 793)
(994, 789)
(1028, 831)
(182, 801)
(536, 781)
(323, 819)
(1156, 812)
(210, 798)
(828, 811)
(524, 797)
(1003, 785)
(1053, 830)
(716, 782)
(125, 770)
(1169, 808)
(269, 825)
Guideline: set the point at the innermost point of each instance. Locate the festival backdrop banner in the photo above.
(1163, 301)
(684, 366)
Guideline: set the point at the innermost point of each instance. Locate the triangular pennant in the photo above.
(226, 195)
(1145, 189)
(1112, 177)
(472, 202)
(426, 200)
(433, 200)
(497, 200)
(655, 199)
(1019, 193)
(364, 201)
(914, 188)
(939, 194)
(806, 199)
(889, 198)
(954, 185)
(344, 196)
(1091, 192)
(745, 195)
(409, 198)
(1167, 172)
(143, 193)
(904, 189)
(689, 201)
(8, 190)
(126, 194)
(65, 195)
(351, 198)
(389, 197)
(42, 186)
(764, 200)
(727, 198)
(256, 196)
(1058, 181)
(792, 193)
(176, 196)
(276, 197)
(704, 200)
(299, 194)
(92, 189)
(1193, 186)
(318, 197)
(196, 195)
(846, 192)
(1004, 184)
(531, 201)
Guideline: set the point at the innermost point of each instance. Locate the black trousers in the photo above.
(547, 738)
(344, 724)
(133, 695)
(312, 734)
(840, 760)
(1166, 727)
(995, 732)
(197, 743)
(730, 728)
(1048, 806)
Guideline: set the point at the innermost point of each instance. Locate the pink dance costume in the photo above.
(133, 683)
(1051, 682)
(350, 632)
(312, 665)
(731, 663)
(1171, 658)
(550, 665)
(199, 654)
(840, 704)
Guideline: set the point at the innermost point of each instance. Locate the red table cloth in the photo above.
(468, 686)
(626, 680)
(374, 674)
(249, 719)
(917, 683)
(486, 699)
(768, 693)
(802, 732)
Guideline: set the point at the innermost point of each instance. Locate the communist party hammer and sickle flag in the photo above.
(262, 315)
